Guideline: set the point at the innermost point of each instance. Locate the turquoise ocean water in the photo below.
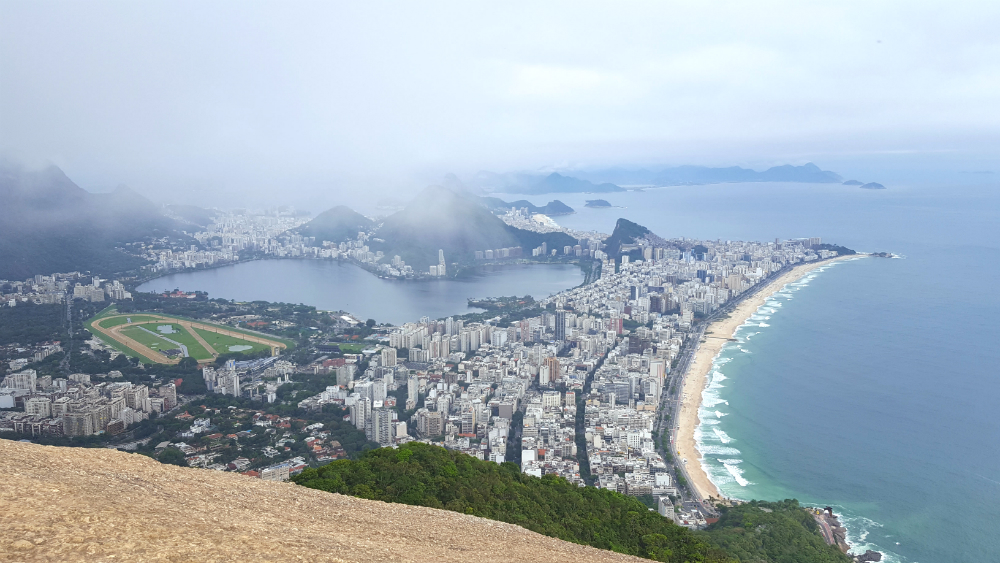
(871, 385)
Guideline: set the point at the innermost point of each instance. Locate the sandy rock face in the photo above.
(76, 504)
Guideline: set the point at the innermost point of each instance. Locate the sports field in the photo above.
(147, 335)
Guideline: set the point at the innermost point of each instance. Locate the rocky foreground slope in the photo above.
(74, 504)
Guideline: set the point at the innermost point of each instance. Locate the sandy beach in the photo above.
(715, 336)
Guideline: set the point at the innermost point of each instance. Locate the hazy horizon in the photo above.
(256, 104)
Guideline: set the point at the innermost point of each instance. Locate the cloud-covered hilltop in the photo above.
(49, 224)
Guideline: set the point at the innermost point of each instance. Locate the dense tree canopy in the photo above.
(424, 475)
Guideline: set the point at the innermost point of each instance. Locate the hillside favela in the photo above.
(448, 282)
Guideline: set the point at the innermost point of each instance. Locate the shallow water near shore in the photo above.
(869, 386)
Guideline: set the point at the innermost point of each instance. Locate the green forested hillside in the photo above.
(626, 232)
(29, 324)
(423, 475)
(781, 532)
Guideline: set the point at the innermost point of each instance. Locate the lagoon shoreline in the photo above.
(695, 378)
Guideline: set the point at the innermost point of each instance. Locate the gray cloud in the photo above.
(321, 102)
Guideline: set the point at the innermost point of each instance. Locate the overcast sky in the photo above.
(314, 99)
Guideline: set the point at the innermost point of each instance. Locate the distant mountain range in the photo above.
(524, 183)
(611, 179)
(49, 224)
(684, 175)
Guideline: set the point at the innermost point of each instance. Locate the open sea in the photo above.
(871, 385)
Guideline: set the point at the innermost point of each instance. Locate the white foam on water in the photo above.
(858, 529)
(721, 414)
(712, 449)
(710, 421)
(737, 474)
(723, 437)
(710, 400)
(764, 325)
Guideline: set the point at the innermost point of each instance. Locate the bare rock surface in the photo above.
(98, 505)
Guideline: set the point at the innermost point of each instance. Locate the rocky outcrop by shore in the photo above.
(835, 534)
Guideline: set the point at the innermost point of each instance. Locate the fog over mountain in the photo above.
(318, 104)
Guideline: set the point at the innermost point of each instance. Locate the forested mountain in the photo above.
(626, 232)
(336, 225)
(49, 224)
(424, 475)
(456, 222)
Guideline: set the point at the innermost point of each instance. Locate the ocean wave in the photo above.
(721, 414)
(763, 325)
(722, 436)
(737, 474)
(712, 401)
(714, 450)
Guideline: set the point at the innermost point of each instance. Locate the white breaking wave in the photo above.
(721, 414)
(723, 437)
(736, 473)
(858, 528)
(764, 325)
(711, 449)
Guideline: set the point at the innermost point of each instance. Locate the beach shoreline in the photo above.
(715, 336)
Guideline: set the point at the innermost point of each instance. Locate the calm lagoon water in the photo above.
(332, 285)
(871, 386)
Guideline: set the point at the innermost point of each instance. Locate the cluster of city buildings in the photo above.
(53, 289)
(76, 405)
(511, 391)
(523, 218)
(498, 390)
(233, 232)
(252, 379)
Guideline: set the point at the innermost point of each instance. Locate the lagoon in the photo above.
(334, 285)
